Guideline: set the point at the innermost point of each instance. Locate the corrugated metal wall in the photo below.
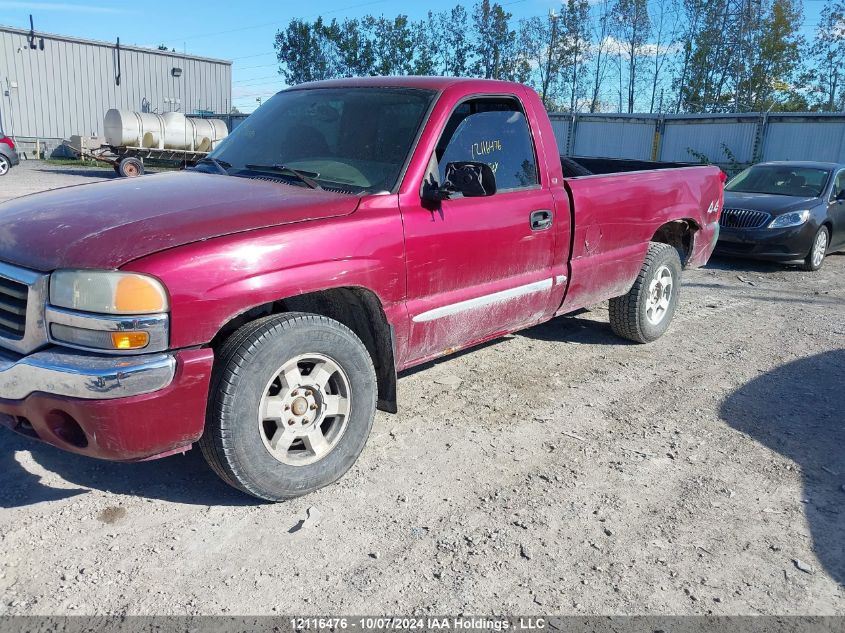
(614, 137)
(67, 87)
(748, 138)
(805, 139)
(683, 139)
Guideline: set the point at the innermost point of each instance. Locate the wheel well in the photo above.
(829, 226)
(680, 234)
(358, 309)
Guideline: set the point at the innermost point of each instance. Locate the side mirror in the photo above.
(840, 197)
(465, 178)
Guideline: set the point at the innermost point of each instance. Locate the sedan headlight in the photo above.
(108, 311)
(107, 292)
(793, 218)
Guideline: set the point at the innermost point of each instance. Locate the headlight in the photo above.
(107, 311)
(794, 218)
(107, 292)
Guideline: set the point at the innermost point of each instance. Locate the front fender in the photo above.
(212, 282)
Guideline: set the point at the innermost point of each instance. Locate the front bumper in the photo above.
(784, 245)
(63, 372)
(124, 409)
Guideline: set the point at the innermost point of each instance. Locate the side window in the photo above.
(492, 132)
(838, 186)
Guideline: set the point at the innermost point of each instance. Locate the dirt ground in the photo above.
(559, 470)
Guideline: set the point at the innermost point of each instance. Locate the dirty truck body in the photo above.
(238, 306)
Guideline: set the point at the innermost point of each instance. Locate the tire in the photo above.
(815, 258)
(116, 169)
(255, 411)
(5, 165)
(130, 167)
(641, 315)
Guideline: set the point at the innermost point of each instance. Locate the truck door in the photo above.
(479, 266)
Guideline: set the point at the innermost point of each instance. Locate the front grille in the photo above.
(743, 219)
(13, 298)
(23, 295)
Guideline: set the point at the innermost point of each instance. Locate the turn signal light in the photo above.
(130, 340)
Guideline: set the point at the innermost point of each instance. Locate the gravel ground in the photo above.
(559, 470)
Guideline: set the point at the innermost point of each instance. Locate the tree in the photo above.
(304, 52)
(600, 33)
(664, 44)
(633, 26)
(448, 37)
(708, 57)
(393, 44)
(575, 49)
(772, 57)
(495, 44)
(826, 75)
(540, 42)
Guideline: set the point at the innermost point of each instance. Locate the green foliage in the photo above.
(682, 55)
(740, 55)
(826, 73)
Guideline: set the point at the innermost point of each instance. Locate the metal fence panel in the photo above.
(615, 138)
(689, 140)
(560, 126)
(792, 139)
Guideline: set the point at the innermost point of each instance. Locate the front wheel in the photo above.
(292, 403)
(644, 314)
(815, 258)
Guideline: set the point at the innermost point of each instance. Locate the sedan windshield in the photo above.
(348, 139)
(781, 180)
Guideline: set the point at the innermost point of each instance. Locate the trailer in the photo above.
(129, 161)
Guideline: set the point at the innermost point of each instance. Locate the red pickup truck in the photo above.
(262, 303)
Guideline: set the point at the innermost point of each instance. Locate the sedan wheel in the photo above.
(5, 165)
(818, 251)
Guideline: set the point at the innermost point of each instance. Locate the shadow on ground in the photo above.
(180, 478)
(798, 410)
(87, 172)
(739, 264)
(574, 328)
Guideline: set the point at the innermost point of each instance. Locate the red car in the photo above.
(8, 155)
(263, 303)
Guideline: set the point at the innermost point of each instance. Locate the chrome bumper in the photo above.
(73, 374)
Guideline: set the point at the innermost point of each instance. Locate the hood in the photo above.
(776, 205)
(107, 224)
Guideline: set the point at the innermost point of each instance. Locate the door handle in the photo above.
(541, 220)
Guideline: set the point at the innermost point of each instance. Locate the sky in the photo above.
(241, 31)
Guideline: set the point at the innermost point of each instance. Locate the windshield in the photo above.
(781, 180)
(347, 139)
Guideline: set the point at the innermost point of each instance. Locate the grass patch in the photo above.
(71, 162)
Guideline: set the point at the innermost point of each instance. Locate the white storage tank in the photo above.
(172, 130)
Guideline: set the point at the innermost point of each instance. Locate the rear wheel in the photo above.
(815, 258)
(292, 404)
(5, 165)
(644, 314)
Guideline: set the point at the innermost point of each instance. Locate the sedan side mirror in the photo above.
(468, 179)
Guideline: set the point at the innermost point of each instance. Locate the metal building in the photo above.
(53, 87)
